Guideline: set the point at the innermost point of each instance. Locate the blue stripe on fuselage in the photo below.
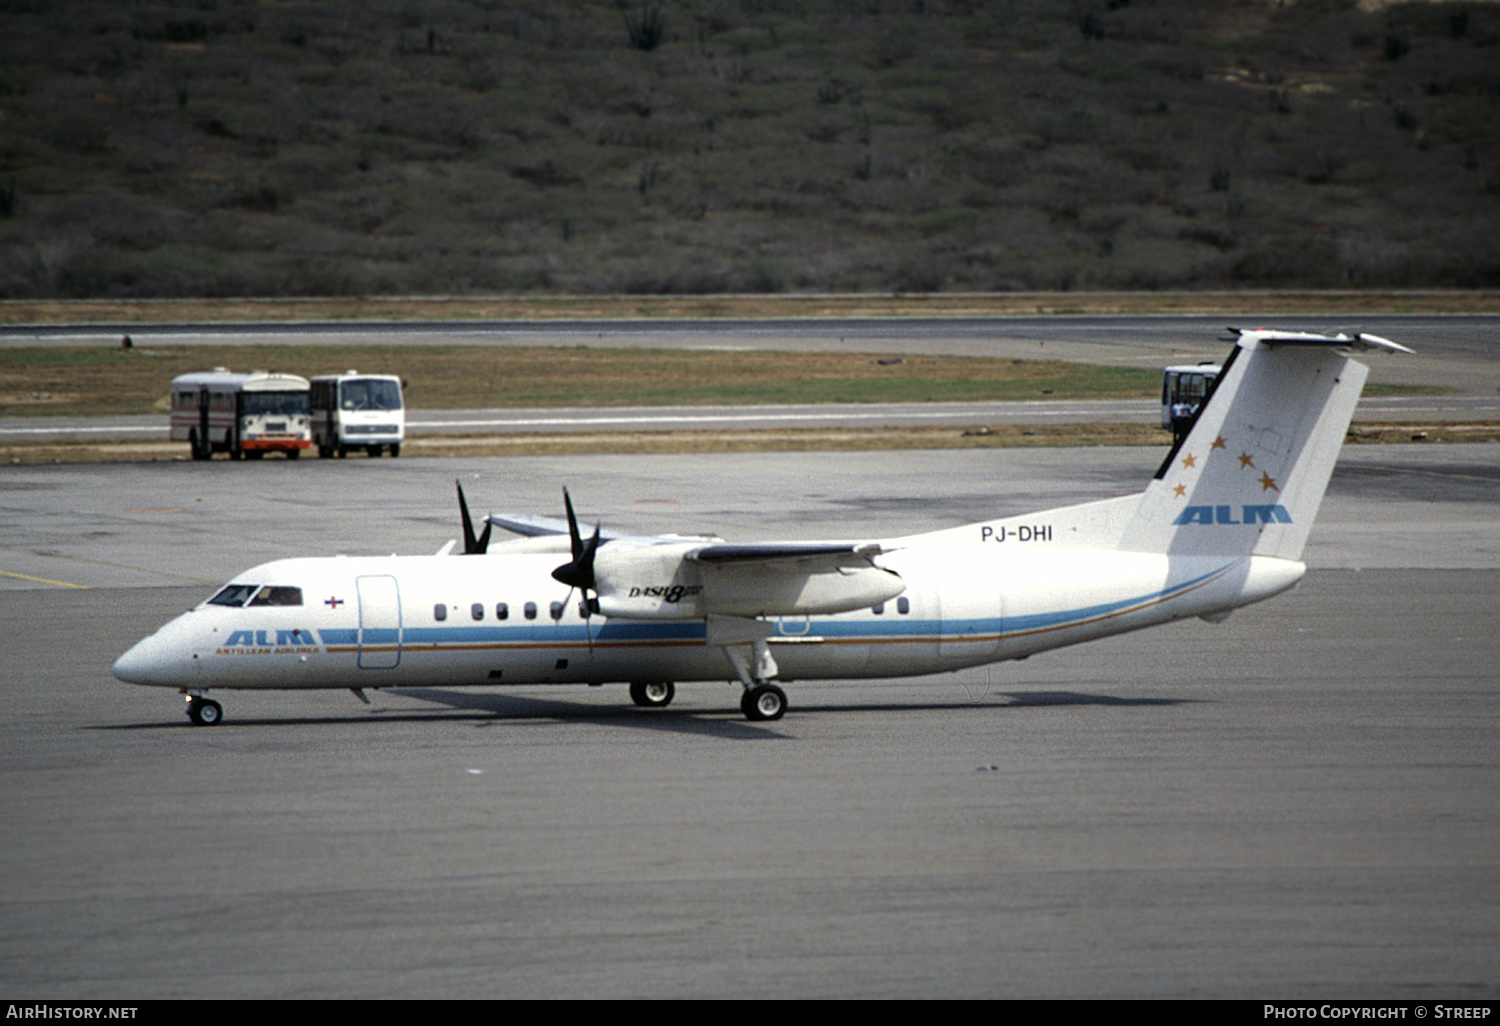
(623, 633)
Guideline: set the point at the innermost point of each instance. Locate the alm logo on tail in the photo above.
(1213, 516)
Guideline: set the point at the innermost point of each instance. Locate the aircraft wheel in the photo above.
(653, 694)
(763, 702)
(205, 712)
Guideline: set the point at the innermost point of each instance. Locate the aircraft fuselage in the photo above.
(370, 622)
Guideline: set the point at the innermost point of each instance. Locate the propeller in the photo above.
(472, 546)
(579, 571)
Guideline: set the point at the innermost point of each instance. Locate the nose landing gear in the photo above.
(204, 712)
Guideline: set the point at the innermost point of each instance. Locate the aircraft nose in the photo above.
(156, 660)
(136, 665)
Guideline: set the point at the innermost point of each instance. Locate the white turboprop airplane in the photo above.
(1220, 526)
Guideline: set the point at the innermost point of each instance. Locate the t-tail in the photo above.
(1221, 525)
(1249, 475)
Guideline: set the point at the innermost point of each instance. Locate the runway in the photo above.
(1454, 353)
(1300, 803)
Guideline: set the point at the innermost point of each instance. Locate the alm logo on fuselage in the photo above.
(263, 639)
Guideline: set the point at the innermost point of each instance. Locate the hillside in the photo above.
(396, 147)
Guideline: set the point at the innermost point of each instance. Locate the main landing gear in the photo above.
(744, 642)
(763, 702)
(204, 712)
(653, 694)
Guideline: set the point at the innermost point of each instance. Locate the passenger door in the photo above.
(379, 622)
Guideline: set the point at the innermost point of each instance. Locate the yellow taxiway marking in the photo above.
(43, 580)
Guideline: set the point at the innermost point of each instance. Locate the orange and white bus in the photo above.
(245, 415)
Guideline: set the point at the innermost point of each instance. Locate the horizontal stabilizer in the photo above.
(1359, 340)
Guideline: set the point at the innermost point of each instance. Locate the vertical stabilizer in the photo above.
(1248, 478)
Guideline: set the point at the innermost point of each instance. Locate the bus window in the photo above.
(1183, 393)
(370, 394)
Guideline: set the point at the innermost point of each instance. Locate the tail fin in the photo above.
(1249, 476)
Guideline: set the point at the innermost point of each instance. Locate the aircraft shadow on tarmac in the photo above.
(523, 707)
(495, 708)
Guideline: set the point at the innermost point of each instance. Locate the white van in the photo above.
(358, 411)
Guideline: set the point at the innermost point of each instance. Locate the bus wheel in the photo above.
(199, 450)
(395, 450)
(343, 451)
(292, 454)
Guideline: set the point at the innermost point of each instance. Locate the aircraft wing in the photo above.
(810, 557)
(528, 524)
(829, 554)
(533, 525)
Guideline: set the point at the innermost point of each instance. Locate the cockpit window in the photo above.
(233, 595)
(277, 595)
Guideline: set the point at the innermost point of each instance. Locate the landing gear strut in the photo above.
(204, 712)
(743, 642)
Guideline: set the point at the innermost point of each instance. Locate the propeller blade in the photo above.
(579, 571)
(472, 546)
(572, 525)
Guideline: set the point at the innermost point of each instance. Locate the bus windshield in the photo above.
(276, 404)
(370, 394)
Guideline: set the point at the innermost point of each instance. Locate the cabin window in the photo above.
(530, 610)
(440, 612)
(277, 595)
(903, 605)
(556, 609)
(477, 610)
(502, 611)
(878, 608)
(233, 595)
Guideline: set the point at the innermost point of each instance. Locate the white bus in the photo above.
(358, 411)
(1183, 391)
(245, 415)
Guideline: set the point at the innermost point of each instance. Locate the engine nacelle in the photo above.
(660, 582)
